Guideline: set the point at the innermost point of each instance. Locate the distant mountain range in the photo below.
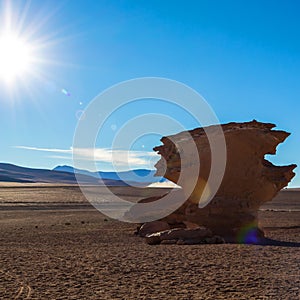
(66, 174)
(139, 175)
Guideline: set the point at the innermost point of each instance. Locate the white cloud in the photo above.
(45, 149)
(60, 157)
(116, 157)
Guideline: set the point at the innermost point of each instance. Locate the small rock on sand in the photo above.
(152, 227)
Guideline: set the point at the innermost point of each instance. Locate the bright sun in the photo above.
(15, 57)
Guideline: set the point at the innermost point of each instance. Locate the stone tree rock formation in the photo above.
(249, 180)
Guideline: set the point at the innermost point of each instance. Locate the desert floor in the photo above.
(54, 245)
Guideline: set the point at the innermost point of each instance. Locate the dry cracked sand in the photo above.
(74, 252)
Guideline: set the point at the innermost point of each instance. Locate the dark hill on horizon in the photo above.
(65, 174)
(13, 173)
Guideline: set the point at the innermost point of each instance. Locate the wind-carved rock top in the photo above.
(249, 179)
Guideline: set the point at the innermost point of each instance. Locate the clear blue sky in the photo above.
(242, 56)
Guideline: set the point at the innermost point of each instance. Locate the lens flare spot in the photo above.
(249, 234)
(65, 92)
(80, 115)
(201, 191)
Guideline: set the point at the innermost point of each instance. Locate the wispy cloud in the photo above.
(45, 149)
(117, 157)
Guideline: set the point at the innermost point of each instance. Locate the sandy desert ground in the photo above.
(54, 245)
